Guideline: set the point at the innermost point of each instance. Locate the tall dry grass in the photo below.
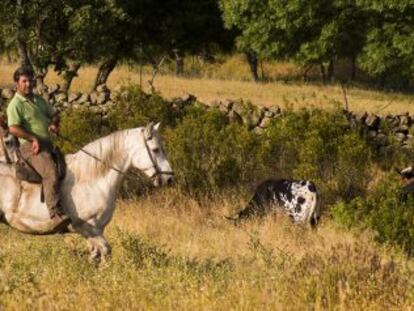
(230, 79)
(171, 252)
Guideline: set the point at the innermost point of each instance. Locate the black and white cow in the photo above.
(298, 198)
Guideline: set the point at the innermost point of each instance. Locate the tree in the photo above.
(388, 53)
(38, 27)
(310, 32)
(175, 27)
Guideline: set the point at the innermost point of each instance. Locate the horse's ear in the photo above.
(157, 126)
(148, 130)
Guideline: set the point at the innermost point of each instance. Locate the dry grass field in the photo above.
(172, 253)
(215, 86)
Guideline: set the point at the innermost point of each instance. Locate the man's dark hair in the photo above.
(23, 71)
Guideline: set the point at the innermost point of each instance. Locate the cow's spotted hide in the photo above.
(298, 198)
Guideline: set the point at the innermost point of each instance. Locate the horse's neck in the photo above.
(104, 159)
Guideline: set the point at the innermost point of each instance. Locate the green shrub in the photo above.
(207, 152)
(135, 108)
(281, 141)
(384, 211)
(81, 126)
(320, 146)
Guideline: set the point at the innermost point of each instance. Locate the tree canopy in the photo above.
(375, 36)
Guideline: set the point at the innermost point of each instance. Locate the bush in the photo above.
(81, 126)
(334, 156)
(320, 146)
(281, 142)
(207, 152)
(384, 211)
(135, 108)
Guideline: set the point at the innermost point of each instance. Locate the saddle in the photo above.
(25, 172)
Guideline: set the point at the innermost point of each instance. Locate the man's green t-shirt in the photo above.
(34, 116)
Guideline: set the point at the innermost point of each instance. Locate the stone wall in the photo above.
(100, 100)
(382, 130)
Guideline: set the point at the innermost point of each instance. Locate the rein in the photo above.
(157, 171)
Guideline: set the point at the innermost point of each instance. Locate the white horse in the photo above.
(89, 188)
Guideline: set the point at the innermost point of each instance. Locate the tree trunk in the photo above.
(179, 62)
(331, 71)
(305, 73)
(40, 78)
(104, 71)
(69, 74)
(353, 68)
(382, 80)
(251, 58)
(24, 59)
(323, 73)
(151, 60)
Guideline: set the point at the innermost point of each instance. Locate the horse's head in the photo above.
(150, 158)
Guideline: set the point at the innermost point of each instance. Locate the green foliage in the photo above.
(81, 126)
(310, 32)
(282, 140)
(388, 49)
(384, 211)
(135, 108)
(208, 153)
(320, 146)
(334, 156)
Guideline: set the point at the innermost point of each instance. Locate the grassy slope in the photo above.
(208, 89)
(171, 253)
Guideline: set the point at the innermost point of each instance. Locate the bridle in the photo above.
(157, 171)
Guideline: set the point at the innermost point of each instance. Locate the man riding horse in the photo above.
(32, 119)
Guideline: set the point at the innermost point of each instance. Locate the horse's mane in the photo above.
(108, 149)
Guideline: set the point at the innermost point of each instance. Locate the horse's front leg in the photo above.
(99, 248)
(101, 245)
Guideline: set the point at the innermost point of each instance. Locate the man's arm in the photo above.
(54, 125)
(20, 132)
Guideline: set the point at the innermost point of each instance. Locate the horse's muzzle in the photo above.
(163, 180)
